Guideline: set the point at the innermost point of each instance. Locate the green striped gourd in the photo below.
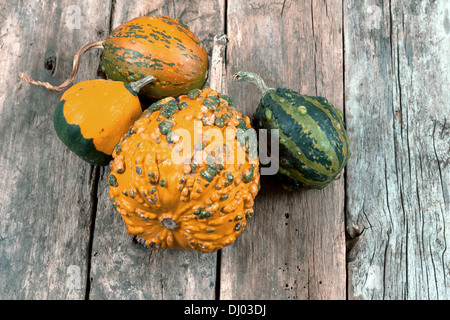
(314, 145)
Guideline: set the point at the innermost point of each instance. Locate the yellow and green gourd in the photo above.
(93, 115)
(313, 143)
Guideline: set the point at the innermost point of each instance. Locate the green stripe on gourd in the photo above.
(293, 160)
(314, 146)
(70, 135)
(294, 126)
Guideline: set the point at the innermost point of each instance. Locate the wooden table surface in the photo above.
(379, 232)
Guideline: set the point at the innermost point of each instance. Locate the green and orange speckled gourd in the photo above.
(158, 46)
(93, 115)
(151, 45)
(177, 189)
(314, 145)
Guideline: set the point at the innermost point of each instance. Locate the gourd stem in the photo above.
(253, 77)
(76, 63)
(136, 86)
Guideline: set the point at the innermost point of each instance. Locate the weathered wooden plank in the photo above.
(45, 203)
(122, 268)
(294, 248)
(397, 93)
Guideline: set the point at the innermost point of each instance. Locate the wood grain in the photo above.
(45, 203)
(294, 246)
(397, 93)
(121, 267)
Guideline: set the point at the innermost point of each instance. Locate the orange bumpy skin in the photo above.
(202, 205)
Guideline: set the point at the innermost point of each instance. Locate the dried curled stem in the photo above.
(76, 63)
(254, 78)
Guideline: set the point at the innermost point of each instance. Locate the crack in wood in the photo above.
(94, 180)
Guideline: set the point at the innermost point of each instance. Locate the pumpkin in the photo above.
(181, 189)
(313, 143)
(149, 45)
(93, 115)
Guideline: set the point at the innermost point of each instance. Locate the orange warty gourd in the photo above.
(180, 189)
